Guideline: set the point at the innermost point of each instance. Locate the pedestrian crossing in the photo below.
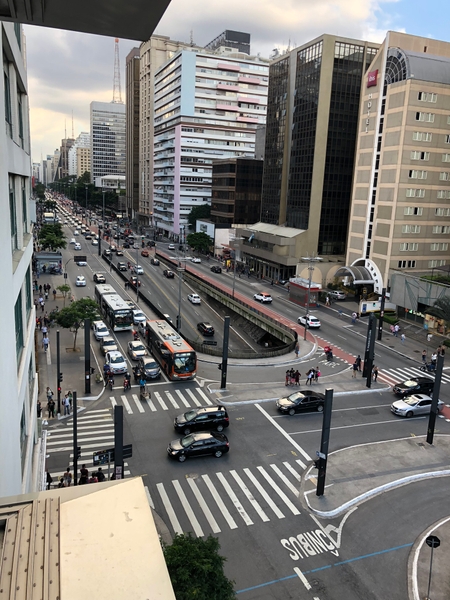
(204, 504)
(162, 400)
(95, 431)
(393, 376)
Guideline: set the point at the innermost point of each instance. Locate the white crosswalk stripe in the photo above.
(204, 506)
(162, 399)
(138, 403)
(393, 376)
(183, 399)
(194, 399)
(171, 399)
(126, 404)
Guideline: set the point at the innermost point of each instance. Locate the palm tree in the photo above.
(441, 310)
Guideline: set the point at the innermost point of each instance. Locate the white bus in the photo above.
(103, 288)
(50, 217)
(117, 312)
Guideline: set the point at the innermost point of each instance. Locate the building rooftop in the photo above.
(260, 227)
(405, 64)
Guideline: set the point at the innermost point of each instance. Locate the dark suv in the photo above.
(216, 269)
(415, 385)
(201, 419)
(205, 328)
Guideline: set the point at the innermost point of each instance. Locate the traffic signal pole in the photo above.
(75, 439)
(58, 366)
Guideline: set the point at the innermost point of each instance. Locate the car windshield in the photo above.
(151, 365)
(109, 343)
(191, 414)
(410, 384)
(138, 347)
(116, 359)
(102, 329)
(187, 441)
(296, 398)
(411, 400)
(184, 362)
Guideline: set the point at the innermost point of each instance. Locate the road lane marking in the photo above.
(100, 437)
(150, 403)
(201, 502)
(302, 464)
(224, 510)
(171, 399)
(127, 405)
(138, 403)
(202, 394)
(191, 394)
(183, 399)
(278, 490)
(169, 508)
(250, 496)
(361, 425)
(149, 498)
(264, 494)
(302, 578)
(290, 468)
(69, 432)
(285, 480)
(161, 401)
(187, 508)
(113, 401)
(234, 499)
(283, 432)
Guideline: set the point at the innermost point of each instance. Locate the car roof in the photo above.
(208, 409)
(264, 294)
(204, 435)
(108, 338)
(115, 354)
(99, 324)
(419, 397)
(135, 343)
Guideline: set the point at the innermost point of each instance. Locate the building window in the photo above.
(415, 174)
(413, 210)
(24, 206)
(444, 176)
(441, 229)
(443, 194)
(12, 215)
(427, 97)
(409, 247)
(436, 263)
(442, 212)
(406, 264)
(20, 116)
(436, 247)
(18, 318)
(427, 117)
(421, 136)
(415, 193)
(7, 94)
(447, 139)
(417, 155)
(410, 228)
(446, 157)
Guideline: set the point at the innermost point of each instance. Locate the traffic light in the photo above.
(78, 451)
(219, 366)
(59, 389)
(60, 378)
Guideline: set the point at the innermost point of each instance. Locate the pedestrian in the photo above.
(51, 408)
(310, 376)
(375, 373)
(100, 475)
(45, 343)
(44, 330)
(36, 302)
(70, 396)
(54, 295)
(297, 349)
(46, 295)
(358, 362)
(327, 301)
(354, 315)
(42, 306)
(297, 376)
(93, 478)
(442, 350)
(354, 369)
(433, 358)
(429, 336)
(40, 290)
(402, 338)
(396, 329)
(84, 475)
(49, 393)
(142, 384)
(66, 404)
(39, 409)
(39, 323)
(317, 374)
(424, 356)
(287, 378)
(41, 299)
(48, 479)
(67, 478)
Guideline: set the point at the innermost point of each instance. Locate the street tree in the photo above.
(441, 310)
(199, 212)
(196, 569)
(199, 241)
(74, 316)
(64, 289)
(51, 237)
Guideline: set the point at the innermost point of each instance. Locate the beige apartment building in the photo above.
(400, 210)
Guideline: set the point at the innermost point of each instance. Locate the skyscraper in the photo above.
(107, 139)
(79, 155)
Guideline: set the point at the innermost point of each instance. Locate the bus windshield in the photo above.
(122, 317)
(184, 362)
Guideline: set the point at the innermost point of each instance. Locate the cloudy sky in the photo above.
(67, 70)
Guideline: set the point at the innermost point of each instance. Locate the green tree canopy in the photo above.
(73, 316)
(199, 212)
(441, 310)
(199, 241)
(196, 569)
(51, 237)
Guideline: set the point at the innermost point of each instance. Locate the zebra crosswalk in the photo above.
(204, 504)
(162, 400)
(95, 431)
(393, 376)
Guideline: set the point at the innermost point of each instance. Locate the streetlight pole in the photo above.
(310, 260)
(180, 281)
(85, 209)
(235, 260)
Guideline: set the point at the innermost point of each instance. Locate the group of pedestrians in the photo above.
(292, 377)
(67, 479)
(313, 375)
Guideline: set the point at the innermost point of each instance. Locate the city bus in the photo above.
(101, 289)
(118, 314)
(176, 357)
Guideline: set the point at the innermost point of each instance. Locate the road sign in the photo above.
(320, 454)
(433, 541)
(209, 343)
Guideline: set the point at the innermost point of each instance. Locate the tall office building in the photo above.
(400, 215)
(107, 139)
(18, 416)
(231, 41)
(62, 169)
(132, 102)
(79, 155)
(207, 106)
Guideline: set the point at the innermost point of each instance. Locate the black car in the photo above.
(122, 266)
(301, 401)
(201, 419)
(415, 385)
(168, 274)
(154, 261)
(135, 281)
(199, 444)
(205, 328)
(126, 245)
(99, 278)
(106, 252)
(216, 269)
(149, 368)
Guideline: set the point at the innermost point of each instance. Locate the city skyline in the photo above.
(60, 83)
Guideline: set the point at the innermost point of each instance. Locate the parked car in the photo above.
(80, 281)
(108, 344)
(122, 266)
(100, 330)
(117, 363)
(263, 297)
(205, 328)
(194, 298)
(99, 278)
(417, 404)
(154, 261)
(145, 253)
(199, 444)
(216, 269)
(310, 321)
(301, 401)
(136, 350)
(415, 385)
(337, 295)
(149, 368)
(201, 419)
(169, 274)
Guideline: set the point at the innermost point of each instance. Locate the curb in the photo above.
(294, 361)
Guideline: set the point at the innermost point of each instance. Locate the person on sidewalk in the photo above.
(45, 343)
(375, 373)
(67, 478)
(358, 362)
(297, 349)
(317, 374)
(402, 338)
(51, 408)
(354, 369)
(84, 475)
(354, 315)
(287, 379)
(396, 329)
(424, 356)
(327, 301)
(100, 475)
(66, 404)
(310, 376)
(48, 479)
(39, 409)
(54, 295)
(44, 331)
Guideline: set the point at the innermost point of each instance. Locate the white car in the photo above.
(263, 297)
(100, 330)
(72, 241)
(76, 232)
(94, 242)
(194, 298)
(171, 247)
(138, 270)
(417, 404)
(77, 246)
(310, 321)
(136, 349)
(117, 363)
(139, 317)
(81, 263)
(80, 281)
(196, 260)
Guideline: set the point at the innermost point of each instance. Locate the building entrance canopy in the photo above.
(361, 275)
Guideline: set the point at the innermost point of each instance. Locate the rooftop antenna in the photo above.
(117, 92)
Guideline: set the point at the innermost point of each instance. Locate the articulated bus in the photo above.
(176, 357)
(118, 314)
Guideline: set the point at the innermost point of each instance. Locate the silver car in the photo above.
(417, 404)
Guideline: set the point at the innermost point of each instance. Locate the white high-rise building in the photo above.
(18, 415)
(107, 139)
(79, 155)
(207, 106)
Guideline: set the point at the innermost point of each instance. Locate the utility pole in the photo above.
(58, 370)
(369, 354)
(324, 443)
(380, 320)
(224, 366)
(75, 437)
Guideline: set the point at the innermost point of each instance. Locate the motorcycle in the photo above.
(329, 352)
(430, 367)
